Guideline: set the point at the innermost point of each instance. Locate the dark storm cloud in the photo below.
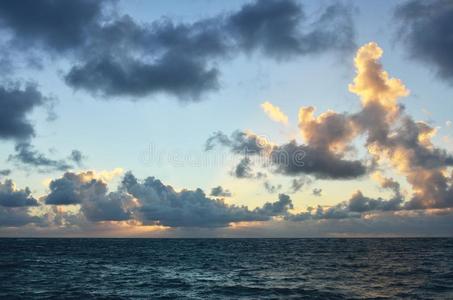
(12, 197)
(15, 204)
(103, 206)
(426, 28)
(360, 203)
(293, 159)
(116, 55)
(274, 28)
(173, 74)
(16, 102)
(26, 155)
(279, 208)
(56, 25)
(96, 203)
(289, 159)
(17, 216)
(65, 190)
(161, 204)
(219, 191)
(151, 202)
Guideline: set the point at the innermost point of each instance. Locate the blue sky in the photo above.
(128, 131)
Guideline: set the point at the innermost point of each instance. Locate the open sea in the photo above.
(226, 268)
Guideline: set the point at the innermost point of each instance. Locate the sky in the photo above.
(226, 119)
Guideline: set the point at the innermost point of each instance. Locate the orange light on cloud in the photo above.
(372, 83)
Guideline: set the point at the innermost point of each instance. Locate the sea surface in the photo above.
(226, 269)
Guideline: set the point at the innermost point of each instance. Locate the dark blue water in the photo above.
(226, 268)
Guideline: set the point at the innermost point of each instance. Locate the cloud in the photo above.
(270, 188)
(360, 203)
(425, 30)
(173, 74)
(161, 204)
(330, 130)
(355, 207)
(279, 208)
(317, 192)
(219, 191)
(18, 216)
(243, 169)
(107, 176)
(391, 134)
(288, 159)
(274, 113)
(26, 155)
(15, 204)
(395, 136)
(96, 203)
(292, 159)
(336, 212)
(77, 157)
(5, 172)
(392, 137)
(298, 183)
(55, 25)
(65, 190)
(112, 55)
(150, 202)
(372, 83)
(239, 142)
(274, 28)
(10, 196)
(17, 102)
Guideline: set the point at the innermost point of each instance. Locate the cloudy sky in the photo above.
(226, 118)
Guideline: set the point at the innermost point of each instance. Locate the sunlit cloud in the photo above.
(274, 113)
(372, 83)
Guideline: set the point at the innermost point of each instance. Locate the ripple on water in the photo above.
(226, 269)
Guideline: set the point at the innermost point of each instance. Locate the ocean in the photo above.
(226, 268)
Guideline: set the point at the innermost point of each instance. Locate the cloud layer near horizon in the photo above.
(146, 202)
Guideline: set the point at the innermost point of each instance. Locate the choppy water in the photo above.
(226, 268)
